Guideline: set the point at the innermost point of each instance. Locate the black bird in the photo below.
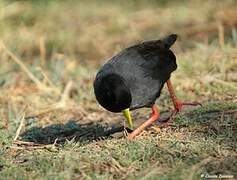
(134, 79)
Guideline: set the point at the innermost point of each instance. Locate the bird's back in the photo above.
(145, 67)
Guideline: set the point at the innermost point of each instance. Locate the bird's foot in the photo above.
(178, 107)
(153, 118)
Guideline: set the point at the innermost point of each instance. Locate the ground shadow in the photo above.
(70, 130)
(212, 119)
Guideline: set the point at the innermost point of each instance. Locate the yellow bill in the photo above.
(127, 115)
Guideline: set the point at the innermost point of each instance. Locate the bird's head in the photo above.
(113, 94)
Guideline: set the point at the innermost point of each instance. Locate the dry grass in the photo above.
(50, 52)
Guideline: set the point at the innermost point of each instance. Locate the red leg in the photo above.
(178, 105)
(153, 118)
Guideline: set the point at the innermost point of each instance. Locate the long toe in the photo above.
(181, 104)
(169, 118)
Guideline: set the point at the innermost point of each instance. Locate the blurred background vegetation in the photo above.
(62, 41)
(94, 30)
(51, 50)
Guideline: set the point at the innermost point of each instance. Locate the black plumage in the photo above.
(135, 77)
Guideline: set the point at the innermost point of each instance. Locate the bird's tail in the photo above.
(169, 40)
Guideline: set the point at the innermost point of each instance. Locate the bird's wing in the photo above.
(146, 68)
